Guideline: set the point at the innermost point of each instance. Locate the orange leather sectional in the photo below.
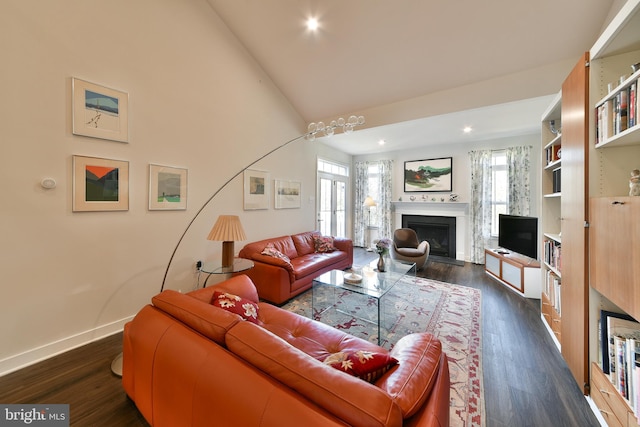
(278, 281)
(190, 363)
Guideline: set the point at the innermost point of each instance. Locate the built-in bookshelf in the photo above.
(551, 301)
(614, 231)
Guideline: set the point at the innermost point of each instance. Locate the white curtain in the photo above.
(383, 199)
(518, 202)
(519, 171)
(385, 174)
(480, 212)
(359, 214)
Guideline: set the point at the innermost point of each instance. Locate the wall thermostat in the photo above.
(48, 183)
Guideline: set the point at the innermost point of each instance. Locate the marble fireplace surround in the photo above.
(458, 210)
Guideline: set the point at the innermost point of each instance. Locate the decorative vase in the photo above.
(381, 264)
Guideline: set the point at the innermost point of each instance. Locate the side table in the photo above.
(239, 265)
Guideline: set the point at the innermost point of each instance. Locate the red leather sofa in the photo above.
(190, 363)
(278, 281)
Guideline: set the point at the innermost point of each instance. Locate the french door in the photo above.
(332, 204)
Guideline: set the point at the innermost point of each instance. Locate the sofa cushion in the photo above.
(313, 338)
(362, 364)
(356, 402)
(307, 265)
(246, 309)
(323, 244)
(283, 244)
(412, 380)
(210, 321)
(270, 250)
(304, 242)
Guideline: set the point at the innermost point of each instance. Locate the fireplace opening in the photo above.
(439, 231)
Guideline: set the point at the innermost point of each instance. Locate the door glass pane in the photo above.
(341, 209)
(324, 214)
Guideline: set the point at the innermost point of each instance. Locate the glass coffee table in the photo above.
(338, 301)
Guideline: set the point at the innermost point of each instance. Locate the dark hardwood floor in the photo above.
(526, 382)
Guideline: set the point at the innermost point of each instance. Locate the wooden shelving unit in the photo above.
(614, 229)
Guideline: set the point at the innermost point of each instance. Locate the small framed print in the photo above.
(429, 175)
(256, 190)
(99, 112)
(100, 184)
(287, 194)
(167, 188)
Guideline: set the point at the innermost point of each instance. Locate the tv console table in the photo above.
(517, 272)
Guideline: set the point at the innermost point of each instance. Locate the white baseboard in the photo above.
(38, 354)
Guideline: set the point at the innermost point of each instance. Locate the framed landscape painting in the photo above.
(256, 190)
(167, 188)
(429, 175)
(99, 112)
(100, 184)
(287, 194)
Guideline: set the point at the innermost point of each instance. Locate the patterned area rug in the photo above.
(451, 312)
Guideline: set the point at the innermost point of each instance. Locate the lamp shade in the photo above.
(369, 202)
(227, 229)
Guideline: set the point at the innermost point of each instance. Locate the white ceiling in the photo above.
(371, 53)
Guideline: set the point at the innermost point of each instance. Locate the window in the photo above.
(500, 188)
(373, 190)
(332, 168)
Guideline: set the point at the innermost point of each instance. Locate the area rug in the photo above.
(450, 312)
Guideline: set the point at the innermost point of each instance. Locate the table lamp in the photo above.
(227, 230)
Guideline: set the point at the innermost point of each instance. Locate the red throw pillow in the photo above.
(323, 243)
(363, 364)
(248, 310)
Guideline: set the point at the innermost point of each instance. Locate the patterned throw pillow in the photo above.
(248, 310)
(323, 243)
(362, 364)
(271, 250)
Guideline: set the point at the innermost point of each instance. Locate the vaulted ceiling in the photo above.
(373, 55)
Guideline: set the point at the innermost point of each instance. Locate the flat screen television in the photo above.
(518, 234)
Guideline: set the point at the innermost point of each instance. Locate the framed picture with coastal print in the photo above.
(167, 188)
(287, 194)
(428, 175)
(99, 112)
(100, 184)
(256, 190)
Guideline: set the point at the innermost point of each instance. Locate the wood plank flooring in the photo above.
(526, 382)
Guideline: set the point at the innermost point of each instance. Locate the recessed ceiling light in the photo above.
(467, 129)
(381, 142)
(312, 24)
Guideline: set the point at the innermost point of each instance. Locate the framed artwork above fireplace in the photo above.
(428, 175)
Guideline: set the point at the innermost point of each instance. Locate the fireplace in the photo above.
(439, 231)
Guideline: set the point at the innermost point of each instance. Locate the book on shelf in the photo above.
(552, 285)
(620, 352)
(552, 252)
(557, 174)
(553, 153)
(618, 113)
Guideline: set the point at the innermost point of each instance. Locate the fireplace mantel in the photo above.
(459, 210)
(456, 208)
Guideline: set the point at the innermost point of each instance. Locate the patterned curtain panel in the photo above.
(385, 169)
(519, 171)
(480, 207)
(359, 214)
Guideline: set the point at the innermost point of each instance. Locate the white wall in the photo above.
(461, 168)
(197, 101)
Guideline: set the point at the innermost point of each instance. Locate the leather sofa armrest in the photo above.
(410, 383)
(345, 245)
